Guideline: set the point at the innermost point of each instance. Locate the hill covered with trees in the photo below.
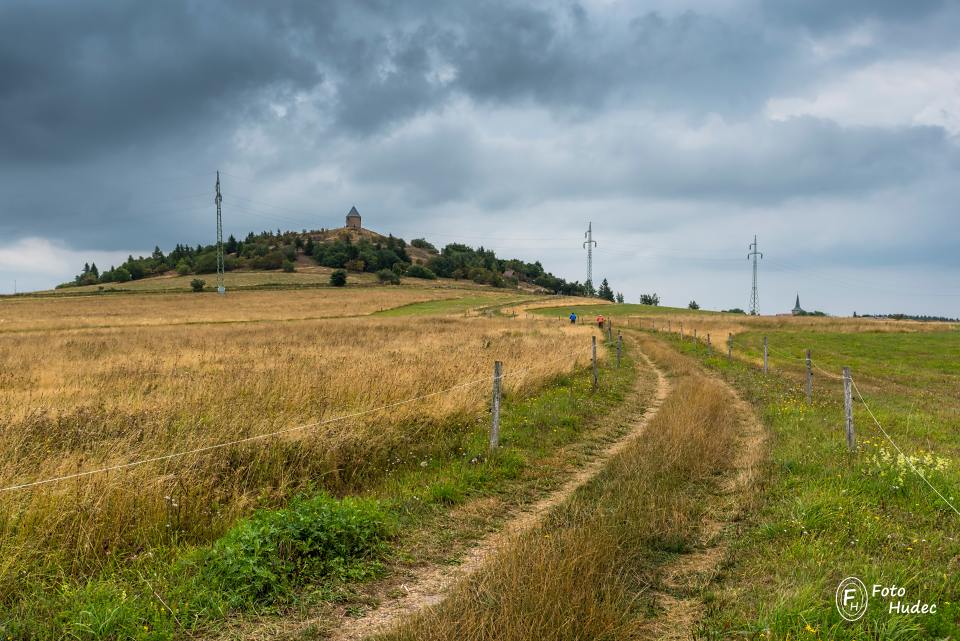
(356, 250)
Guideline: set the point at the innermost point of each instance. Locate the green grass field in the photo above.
(827, 514)
(455, 305)
(589, 312)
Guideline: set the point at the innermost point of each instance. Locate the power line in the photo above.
(754, 303)
(217, 200)
(590, 243)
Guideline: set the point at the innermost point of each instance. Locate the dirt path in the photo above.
(427, 586)
(685, 577)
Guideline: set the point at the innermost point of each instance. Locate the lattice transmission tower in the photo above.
(217, 200)
(590, 243)
(754, 301)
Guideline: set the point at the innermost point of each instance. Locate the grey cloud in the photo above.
(78, 79)
(748, 164)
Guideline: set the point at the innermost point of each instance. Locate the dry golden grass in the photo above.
(32, 314)
(76, 400)
(581, 575)
(524, 309)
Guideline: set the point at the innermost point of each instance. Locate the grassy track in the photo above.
(827, 514)
(587, 572)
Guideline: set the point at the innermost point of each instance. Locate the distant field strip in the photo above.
(72, 313)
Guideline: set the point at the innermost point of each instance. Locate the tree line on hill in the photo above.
(923, 318)
(274, 251)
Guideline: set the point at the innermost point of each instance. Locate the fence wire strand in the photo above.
(289, 430)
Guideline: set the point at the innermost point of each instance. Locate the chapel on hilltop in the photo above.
(353, 219)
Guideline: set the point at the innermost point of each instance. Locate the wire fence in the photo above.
(290, 430)
(765, 349)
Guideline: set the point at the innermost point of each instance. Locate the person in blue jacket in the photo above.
(573, 318)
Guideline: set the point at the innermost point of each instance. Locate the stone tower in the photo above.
(353, 219)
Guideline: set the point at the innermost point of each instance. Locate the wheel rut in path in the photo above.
(685, 577)
(429, 585)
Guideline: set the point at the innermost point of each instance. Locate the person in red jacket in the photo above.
(600, 320)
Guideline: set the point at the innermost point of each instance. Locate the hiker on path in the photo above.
(573, 318)
(600, 321)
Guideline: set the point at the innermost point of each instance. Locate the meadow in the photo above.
(827, 513)
(93, 382)
(178, 546)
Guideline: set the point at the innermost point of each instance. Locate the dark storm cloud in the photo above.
(828, 15)
(81, 78)
(78, 78)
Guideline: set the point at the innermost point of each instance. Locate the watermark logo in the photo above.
(852, 598)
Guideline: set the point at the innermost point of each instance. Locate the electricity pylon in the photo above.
(754, 302)
(590, 243)
(217, 200)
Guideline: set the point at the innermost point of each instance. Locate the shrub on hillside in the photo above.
(419, 271)
(197, 285)
(421, 243)
(183, 268)
(263, 558)
(338, 278)
(355, 264)
(288, 266)
(270, 260)
(388, 277)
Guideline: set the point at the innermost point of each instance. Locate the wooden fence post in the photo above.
(669, 329)
(709, 346)
(619, 346)
(809, 379)
(848, 408)
(495, 425)
(730, 347)
(595, 373)
(681, 331)
(765, 368)
(609, 334)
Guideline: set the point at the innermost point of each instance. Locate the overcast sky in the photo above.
(680, 129)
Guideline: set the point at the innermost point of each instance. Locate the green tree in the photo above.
(605, 292)
(693, 305)
(183, 267)
(388, 277)
(649, 299)
(620, 297)
(421, 243)
(419, 271)
(338, 278)
(197, 285)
